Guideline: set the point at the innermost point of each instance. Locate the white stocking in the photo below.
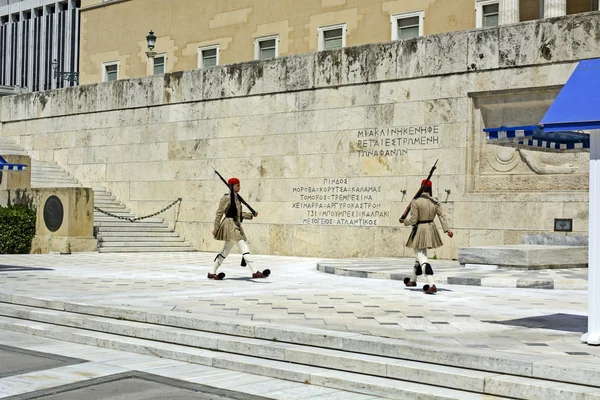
(246, 254)
(222, 255)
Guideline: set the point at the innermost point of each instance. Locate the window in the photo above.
(208, 56)
(110, 71)
(487, 12)
(159, 64)
(332, 37)
(407, 26)
(266, 47)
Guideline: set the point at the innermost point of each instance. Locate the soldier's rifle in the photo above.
(231, 188)
(419, 192)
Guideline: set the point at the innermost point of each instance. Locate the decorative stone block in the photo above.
(64, 218)
(446, 53)
(483, 52)
(525, 256)
(555, 240)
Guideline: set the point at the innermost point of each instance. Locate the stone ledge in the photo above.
(526, 256)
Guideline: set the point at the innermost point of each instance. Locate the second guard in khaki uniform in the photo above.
(424, 234)
(228, 228)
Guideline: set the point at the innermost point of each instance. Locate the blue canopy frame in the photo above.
(538, 137)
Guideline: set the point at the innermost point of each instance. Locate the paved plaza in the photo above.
(511, 320)
(532, 321)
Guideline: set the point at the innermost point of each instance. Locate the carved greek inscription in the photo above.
(338, 202)
(396, 142)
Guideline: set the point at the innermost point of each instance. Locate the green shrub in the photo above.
(17, 229)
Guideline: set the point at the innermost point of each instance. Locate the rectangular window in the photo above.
(490, 15)
(159, 65)
(487, 12)
(266, 47)
(110, 72)
(407, 26)
(208, 56)
(332, 37)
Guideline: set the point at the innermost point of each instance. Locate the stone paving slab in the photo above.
(451, 273)
(522, 321)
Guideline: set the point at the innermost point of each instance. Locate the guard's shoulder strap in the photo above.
(434, 201)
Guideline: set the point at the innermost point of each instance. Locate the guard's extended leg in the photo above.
(430, 287)
(219, 260)
(412, 281)
(250, 261)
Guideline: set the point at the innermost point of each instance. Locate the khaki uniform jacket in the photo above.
(425, 235)
(230, 228)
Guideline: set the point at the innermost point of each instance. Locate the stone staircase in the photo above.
(119, 236)
(49, 174)
(114, 235)
(389, 368)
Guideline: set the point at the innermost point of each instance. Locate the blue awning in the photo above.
(563, 128)
(577, 105)
(5, 166)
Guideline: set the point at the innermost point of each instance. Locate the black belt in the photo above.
(416, 227)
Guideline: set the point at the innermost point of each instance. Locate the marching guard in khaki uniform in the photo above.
(424, 234)
(228, 228)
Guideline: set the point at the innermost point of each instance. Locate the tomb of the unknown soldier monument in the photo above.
(331, 146)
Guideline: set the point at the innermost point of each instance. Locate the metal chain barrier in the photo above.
(139, 218)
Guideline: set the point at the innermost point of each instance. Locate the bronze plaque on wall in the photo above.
(53, 213)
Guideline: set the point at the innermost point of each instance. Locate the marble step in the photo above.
(49, 174)
(133, 228)
(118, 211)
(125, 224)
(322, 376)
(57, 178)
(119, 235)
(105, 197)
(171, 249)
(108, 206)
(53, 181)
(107, 218)
(53, 185)
(138, 240)
(134, 242)
(105, 204)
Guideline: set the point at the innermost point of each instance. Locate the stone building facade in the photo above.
(331, 145)
(194, 34)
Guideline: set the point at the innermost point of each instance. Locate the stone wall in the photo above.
(325, 143)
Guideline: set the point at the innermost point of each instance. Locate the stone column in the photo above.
(593, 334)
(555, 8)
(509, 12)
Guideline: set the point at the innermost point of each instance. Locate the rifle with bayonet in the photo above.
(231, 188)
(419, 192)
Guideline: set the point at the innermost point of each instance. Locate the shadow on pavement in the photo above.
(17, 268)
(248, 279)
(557, 322)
